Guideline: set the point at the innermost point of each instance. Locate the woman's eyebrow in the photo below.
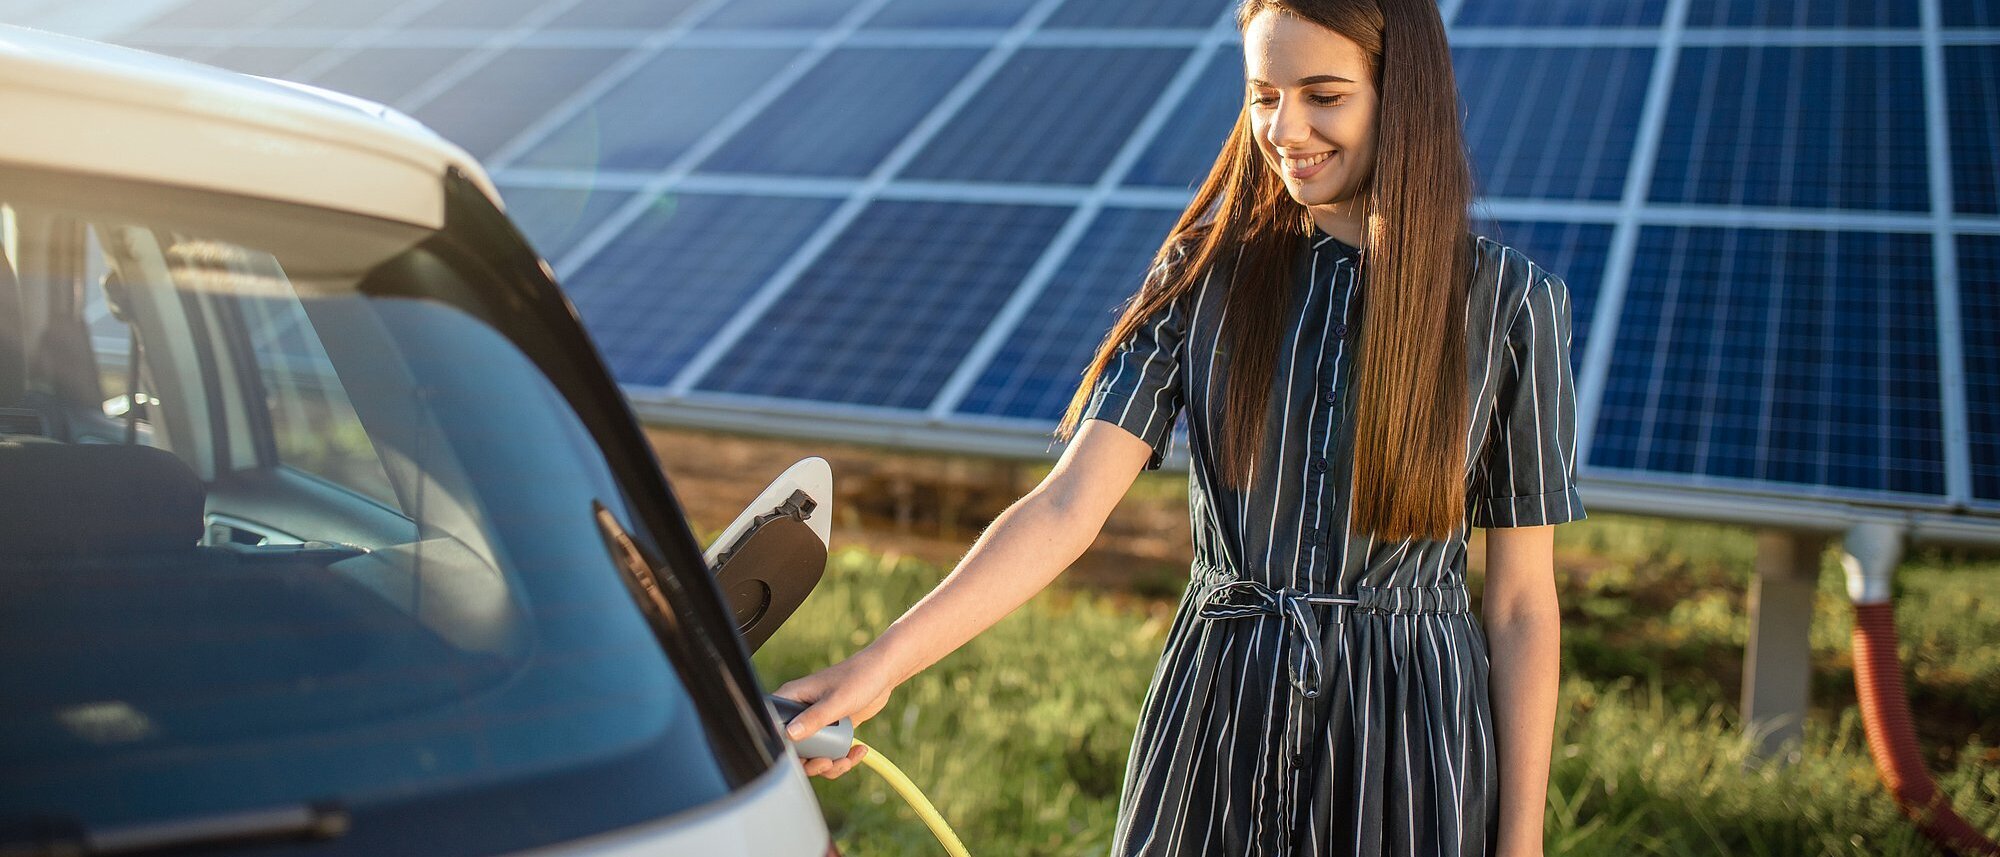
(1307, 81)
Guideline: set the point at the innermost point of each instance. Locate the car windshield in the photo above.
(288, 522)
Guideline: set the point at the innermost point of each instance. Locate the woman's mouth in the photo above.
(1307, 167)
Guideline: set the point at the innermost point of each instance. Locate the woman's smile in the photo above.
(1306, 167)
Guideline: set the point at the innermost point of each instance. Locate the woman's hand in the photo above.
(857, 687)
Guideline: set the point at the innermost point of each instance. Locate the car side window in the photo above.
(313, 423)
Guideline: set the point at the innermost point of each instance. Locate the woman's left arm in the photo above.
(1524, 633)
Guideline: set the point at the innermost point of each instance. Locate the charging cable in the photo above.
(835, 740)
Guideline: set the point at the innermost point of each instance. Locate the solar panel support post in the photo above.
(1777, 663)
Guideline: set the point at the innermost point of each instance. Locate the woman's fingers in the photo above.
(847, 763)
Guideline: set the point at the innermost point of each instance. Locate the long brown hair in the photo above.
(1410, 387)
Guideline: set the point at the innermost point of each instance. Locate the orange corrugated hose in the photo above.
(1892, 740)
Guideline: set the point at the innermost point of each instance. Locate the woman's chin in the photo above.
(1311, 193)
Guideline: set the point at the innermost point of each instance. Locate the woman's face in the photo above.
(1312, 107)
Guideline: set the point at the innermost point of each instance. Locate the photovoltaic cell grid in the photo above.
(1052, 115)
(1803, 357)
(1552, 123)
(1802, 13)
(1561, 13)
(1973, 75)
(1035, 372)
(893, 307)
(693, 258)
(659, 112)
(1842, 385)
(1799, 127)
(847, 114)
(1979, 305)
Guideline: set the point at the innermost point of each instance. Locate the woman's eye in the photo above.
(1328, 99)
(1264, 100)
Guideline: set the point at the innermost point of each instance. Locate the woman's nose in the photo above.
(1289, 127)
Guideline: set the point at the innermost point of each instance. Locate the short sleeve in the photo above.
(1140, 388)
(1528, 477)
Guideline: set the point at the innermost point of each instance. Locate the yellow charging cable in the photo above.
(881, 765)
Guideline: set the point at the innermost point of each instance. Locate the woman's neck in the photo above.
(1342, 220)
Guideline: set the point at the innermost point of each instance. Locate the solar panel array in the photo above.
(1779, 220)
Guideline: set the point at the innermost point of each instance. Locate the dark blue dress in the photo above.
(1322, 693)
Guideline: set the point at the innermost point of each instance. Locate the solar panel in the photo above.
(1033, 374)
(486, 14)
(384, 74)
(694, 258)
(1802, 13)
(1552, 123)
(349, 14)
(781, 14)
(1808, 127)
(555, 218)
(845, 114)
(884, 316)
(487, 108)
(659, 112)
(967, 13)
(209, 13)
(1979, 308)
(1201, 125)
(1791, 356)
(1972, 76)
(1771, 258)
(1970, 13)
(622, 14)
(1560, 13)
(1051, 115)
(1187, 14)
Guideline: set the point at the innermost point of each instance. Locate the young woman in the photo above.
(1325, 688)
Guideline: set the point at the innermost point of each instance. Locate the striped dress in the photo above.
(1321, 692)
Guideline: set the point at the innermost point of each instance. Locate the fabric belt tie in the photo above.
(1235, 598)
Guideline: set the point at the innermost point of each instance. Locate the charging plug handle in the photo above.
(830, 742)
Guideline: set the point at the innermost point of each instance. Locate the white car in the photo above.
(323, 527)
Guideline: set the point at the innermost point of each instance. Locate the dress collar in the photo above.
(1321, 242)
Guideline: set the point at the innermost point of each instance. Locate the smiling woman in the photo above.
(1364, 381)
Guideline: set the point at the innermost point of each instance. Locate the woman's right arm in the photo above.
(1025, 548)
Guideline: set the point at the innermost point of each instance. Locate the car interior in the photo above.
(270, 523)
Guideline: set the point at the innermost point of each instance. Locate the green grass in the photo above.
(1020, 738)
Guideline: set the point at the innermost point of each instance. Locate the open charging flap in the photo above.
(769, 559)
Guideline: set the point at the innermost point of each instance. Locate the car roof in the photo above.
(76, 105)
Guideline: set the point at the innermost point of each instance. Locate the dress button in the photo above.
(1339, 330)
(1299, 761)
(1318, 465)
(1332, 396)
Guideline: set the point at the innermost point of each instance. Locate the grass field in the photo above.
(1020, 738)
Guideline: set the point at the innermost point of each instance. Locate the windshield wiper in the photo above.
(304, 821)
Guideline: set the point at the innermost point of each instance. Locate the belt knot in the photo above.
(1228, 597)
